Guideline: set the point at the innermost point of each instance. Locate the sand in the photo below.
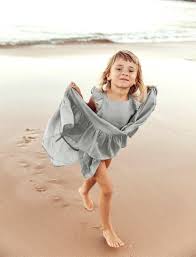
(153, 204)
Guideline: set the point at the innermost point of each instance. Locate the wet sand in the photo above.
(153, 206)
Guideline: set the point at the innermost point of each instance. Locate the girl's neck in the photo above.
(120, 94)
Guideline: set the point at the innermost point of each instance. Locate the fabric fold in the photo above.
(75, 133)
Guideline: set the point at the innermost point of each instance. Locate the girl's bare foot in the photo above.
(111, 238)
(88, 203)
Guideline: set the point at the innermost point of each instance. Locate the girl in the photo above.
(94, 135)
(120, 93)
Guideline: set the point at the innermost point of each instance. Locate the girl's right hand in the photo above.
(73, 85)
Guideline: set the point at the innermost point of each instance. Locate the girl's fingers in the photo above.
(73, 85)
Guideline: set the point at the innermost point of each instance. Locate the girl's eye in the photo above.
(120, 69)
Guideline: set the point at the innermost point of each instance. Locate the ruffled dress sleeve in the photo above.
(97, 97)
(143, 112)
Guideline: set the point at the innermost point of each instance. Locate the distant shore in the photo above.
(163, 49)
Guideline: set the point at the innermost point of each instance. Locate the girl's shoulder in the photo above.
(97, 92)
(147, 90)
(98, 97)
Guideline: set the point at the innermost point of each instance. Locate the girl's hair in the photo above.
(127, 56)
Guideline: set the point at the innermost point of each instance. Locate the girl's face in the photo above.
(123, 73)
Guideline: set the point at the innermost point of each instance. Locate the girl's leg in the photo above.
(88, 183)
(107, 162)
(105, 206)
(85, 188)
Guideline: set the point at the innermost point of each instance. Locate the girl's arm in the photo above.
(91, 104)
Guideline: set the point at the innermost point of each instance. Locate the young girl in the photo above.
(122, 103)
(121, 81)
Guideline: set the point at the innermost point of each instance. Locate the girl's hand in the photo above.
(142, 96)
(73, 85)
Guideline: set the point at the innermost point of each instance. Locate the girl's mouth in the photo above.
(124, 79)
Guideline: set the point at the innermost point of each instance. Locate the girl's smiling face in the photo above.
(123, 73)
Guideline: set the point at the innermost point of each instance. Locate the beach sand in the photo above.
(153, 204)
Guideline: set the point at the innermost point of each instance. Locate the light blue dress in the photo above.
(76, 133)
(116, 112)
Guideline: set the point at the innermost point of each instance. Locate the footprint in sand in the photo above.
(37, 169)
(97, 227)
(40, 187)
(24, 164)
(41, 155)
(37, 172)
(57, 181)
(30, 135)
(43, 187)
(58, 200)
(39, 166)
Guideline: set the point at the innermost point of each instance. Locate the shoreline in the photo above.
(174, 49)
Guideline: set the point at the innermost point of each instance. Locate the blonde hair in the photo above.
(127, 56)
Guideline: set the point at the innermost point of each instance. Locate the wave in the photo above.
(55, 41)
(100, 38)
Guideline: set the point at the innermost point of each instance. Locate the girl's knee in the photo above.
(103, 179)
(107, 192)
(91, 178)
(100, 172)
(105, 185)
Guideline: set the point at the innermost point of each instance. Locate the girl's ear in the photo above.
(108, 76)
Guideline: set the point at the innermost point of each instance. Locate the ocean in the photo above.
(149, 21)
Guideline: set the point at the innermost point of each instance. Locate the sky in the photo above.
(76, 15)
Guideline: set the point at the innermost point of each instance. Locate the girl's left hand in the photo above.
(73, 85)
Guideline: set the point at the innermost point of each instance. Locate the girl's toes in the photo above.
(117, 244)
(120, 242)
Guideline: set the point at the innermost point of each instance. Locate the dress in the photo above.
(76, 133)
(116, 112)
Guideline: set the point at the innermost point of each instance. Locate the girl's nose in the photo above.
(125, 73)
